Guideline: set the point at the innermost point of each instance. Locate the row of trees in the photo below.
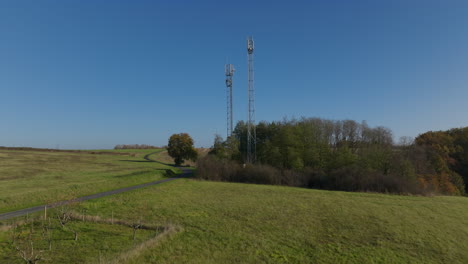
(339, 155)
(135, 146)
(296, 144)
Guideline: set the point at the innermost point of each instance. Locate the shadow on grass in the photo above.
(137, 161)
(169, 173)
(147, 159)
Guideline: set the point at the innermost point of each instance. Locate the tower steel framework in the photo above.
(229, 71)
(251, 131)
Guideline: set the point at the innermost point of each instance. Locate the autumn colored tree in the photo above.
(446, 150)
(180, 148)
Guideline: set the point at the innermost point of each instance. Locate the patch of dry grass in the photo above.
(132, 254)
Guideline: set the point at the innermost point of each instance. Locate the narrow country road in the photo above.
(185, 173)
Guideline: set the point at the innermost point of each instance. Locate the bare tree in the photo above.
(46, 232)
(64, 216)
(135, 226)
(136, 220)
(338, 132)
(405, 141)
(24, 246)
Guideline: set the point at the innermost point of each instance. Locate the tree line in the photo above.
(341, 155)
(135, 146)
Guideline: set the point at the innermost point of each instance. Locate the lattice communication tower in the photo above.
(251, 131)
(229, 71)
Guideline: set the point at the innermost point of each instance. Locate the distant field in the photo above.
(29, 178)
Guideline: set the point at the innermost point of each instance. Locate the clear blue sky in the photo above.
(93, 74)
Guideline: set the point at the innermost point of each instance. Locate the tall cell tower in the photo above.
(229, 71)
(251, 131)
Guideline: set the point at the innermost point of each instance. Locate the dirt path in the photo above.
(185, 173)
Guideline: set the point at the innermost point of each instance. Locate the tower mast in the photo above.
(251, 131)
(229, 71)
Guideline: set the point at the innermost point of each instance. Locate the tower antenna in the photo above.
(229, 71)
(251, 131)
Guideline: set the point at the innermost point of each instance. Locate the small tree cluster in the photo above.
(228, 149)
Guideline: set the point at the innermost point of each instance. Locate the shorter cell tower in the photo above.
(229, 71)
(251, 131)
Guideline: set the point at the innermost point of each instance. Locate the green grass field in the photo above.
(242, 223)
(237, 223)
(29, 178)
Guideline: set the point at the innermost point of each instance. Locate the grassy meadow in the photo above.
(239, 223)
(245, 223)
(29, 178)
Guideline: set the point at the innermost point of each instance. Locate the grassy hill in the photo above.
(236, 223)
(240, 223)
